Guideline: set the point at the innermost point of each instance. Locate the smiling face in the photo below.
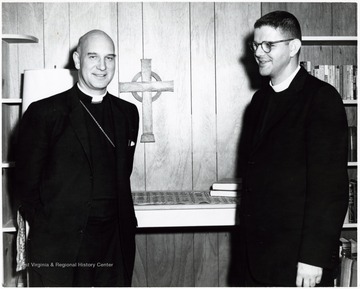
(95, 61)
(282, 60)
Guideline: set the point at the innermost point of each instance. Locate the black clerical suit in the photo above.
(293, 159)
(69, 177)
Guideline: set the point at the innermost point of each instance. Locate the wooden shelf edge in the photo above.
(9, 227)
(350, 226)
(329, 40)
(8, 165)
(350, 101)
(19, 38)
(11, 100)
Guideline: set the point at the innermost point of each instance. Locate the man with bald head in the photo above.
(74, 160)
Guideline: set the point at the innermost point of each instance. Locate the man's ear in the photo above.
(295, 46)
(76, 58)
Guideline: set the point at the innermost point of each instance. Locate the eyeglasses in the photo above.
(265, 45)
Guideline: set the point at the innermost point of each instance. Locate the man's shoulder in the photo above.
(124, 104)
(58, 99)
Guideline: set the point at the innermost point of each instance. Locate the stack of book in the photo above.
(227, 187)
(342, 77)
(348, 263)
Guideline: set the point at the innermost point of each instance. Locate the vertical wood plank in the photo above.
(170, 260)
(203, 94)
(234, 24)
(130, 52)
(56, 35)
(166, 42)
(95, 15)
(206, 259)
(31, 17)
(168, 160)
(225, 256)
(139, 275)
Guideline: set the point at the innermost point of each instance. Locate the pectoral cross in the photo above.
(146, 87)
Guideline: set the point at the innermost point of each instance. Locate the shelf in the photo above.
(11, 100)
(329, 40)
(19, 38)
(151, 216)
(352, 164)
(350, 101)
(8, 165)
(350, 226)
(9, 227)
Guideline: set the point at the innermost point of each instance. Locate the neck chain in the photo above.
(99, 126)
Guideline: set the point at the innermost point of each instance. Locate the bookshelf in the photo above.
(341, 44)
(10, 113)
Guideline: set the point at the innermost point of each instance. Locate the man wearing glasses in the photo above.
(293, 159)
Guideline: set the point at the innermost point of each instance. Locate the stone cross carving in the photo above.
(146, 87)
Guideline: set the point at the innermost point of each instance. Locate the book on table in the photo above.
(228, 184)
(227, 187)
(224, 193)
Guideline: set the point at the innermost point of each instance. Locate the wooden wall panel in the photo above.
(168, 160)
(170, 259)
(95, 15)
(140, 269)
(166, 42)
(56, 35)
(203, 94)
(130, 47)
(10, 72)
(206, 259)
(234, 22)
(31, 56)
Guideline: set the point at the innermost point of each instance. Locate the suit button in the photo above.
(81, 232)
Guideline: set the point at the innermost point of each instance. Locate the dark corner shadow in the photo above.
(248, 61)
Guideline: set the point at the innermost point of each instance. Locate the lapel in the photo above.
(294, 92)
(120, 133)
(77, 120)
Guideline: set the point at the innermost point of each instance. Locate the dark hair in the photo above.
(282, 20)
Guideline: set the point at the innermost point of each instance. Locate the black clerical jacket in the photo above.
(294, 168)
(54, 180)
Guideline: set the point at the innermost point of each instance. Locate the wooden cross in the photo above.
(146, 87)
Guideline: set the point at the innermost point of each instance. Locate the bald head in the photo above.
(93, 35)
(94, 59)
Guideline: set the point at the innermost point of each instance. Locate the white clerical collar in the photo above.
(94, 98)
(286, 83)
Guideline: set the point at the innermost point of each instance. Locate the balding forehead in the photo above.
(94, 35)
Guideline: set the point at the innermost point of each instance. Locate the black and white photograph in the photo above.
(179, 144)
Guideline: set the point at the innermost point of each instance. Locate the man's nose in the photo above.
(101, 64)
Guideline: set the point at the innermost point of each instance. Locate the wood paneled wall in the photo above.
(202, 47)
